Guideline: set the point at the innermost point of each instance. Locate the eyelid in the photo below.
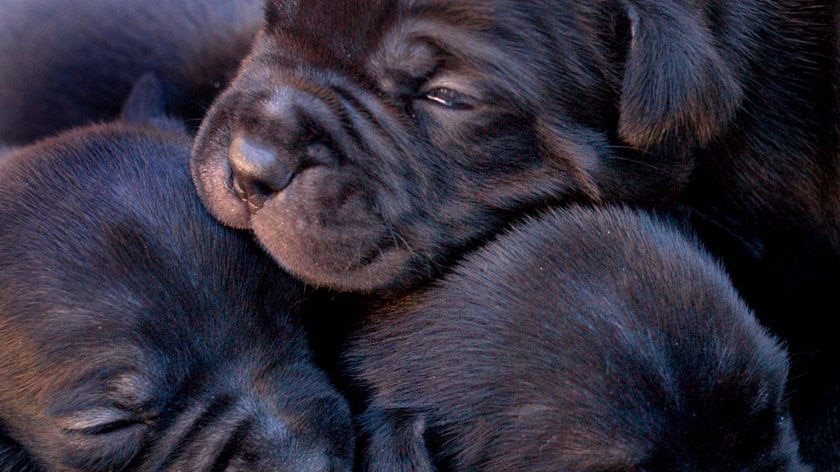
(99, 421)
(435, 99)
(101, 439)
(444, 82)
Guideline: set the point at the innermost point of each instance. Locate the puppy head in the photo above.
(137, 333)
(567, 346)
(689, 408)
(366, 142)
(734, 420)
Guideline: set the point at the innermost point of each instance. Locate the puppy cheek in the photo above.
(325, 250)
(315, 262)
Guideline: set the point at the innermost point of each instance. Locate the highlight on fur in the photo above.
(369, 152)
(136, 333)
(582, 340)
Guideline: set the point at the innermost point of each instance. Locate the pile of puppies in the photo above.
(428, 235)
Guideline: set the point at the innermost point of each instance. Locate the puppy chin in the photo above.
(332, 241)
(309, 261)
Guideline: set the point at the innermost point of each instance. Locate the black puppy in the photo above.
(370, 143)
(71, 62)
(587, 340)
(136, 333)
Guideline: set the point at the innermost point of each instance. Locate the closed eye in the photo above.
(100, 421)
(108, 428)
(102, 439)
(449, 98)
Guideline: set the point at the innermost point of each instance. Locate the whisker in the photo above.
(634, 161)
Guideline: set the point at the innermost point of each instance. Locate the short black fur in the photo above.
(136, 333)
(336, 146)
(586, 340)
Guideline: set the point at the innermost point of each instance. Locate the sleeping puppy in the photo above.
(136, 333)
(369, 144)
(66, 63)
(586, 340)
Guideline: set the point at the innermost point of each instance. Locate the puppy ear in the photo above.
(393, 441)
(146, 104)
(677, 89)
(146, 100)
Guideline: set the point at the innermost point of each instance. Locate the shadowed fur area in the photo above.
(138, 334)
(66, 63)
(370, 144)
(585, 340)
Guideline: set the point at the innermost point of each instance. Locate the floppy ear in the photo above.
(146, 101)
(677, 89)
(146, 105)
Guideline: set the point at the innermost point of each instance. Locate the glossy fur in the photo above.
(328, 147)
(586, 340)
(355, 180)
(136, 333)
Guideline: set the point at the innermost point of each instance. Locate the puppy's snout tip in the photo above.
(258, 171)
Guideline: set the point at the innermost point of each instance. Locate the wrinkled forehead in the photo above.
(371, 39)
(345, 27)
(351, 29)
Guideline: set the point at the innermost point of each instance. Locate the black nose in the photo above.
(258, 171)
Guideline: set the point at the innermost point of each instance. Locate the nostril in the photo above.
(258, 171)
(254, 192)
